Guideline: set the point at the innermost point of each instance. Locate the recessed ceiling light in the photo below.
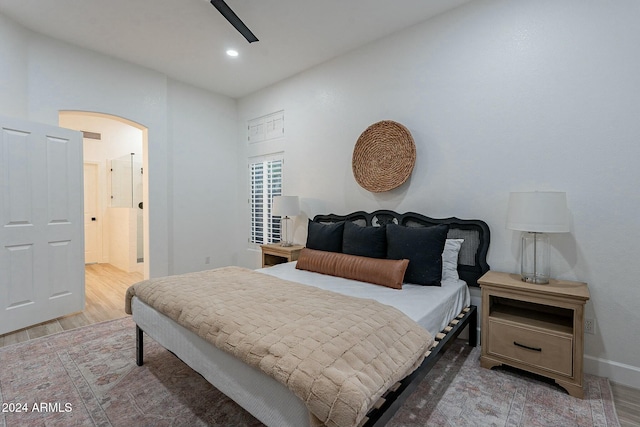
(232, 52)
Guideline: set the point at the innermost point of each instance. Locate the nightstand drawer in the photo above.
(545, 350)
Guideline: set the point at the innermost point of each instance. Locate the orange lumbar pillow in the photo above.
(385, 272)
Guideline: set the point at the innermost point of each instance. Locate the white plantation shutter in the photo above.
(265, 181)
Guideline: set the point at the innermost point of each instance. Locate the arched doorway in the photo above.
(116, 189)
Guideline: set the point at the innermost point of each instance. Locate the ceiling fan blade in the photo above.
(233, 19)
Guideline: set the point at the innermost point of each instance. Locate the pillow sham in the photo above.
(364, 241)
(450, 259)
(423, 247)
(385, 272)
(325, 237)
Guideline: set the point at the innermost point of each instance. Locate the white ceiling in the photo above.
(187, 39)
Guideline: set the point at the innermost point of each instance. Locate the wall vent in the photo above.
(91, 135)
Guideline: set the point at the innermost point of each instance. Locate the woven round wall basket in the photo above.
(384, 156)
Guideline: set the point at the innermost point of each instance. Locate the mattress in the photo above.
(432, 307)
(264, 397)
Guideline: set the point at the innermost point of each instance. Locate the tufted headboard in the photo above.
(472, 259)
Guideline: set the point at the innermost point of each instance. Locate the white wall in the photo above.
(13, 61)
(202, 167)
(500, 96)
(44, 76)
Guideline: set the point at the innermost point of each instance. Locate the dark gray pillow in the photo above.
(325, 237)
(423, 247)
(364, 241)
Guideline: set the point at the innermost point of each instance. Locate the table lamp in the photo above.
(286, 206)
(537, 213)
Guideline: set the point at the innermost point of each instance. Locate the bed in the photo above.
(442, 310)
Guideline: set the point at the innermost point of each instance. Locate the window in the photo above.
(265, 181)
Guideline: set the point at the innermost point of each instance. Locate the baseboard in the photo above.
(616, 372)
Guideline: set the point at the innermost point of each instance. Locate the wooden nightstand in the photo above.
(537, 328)
(273, 254)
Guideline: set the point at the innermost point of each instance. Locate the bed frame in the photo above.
(472, 264)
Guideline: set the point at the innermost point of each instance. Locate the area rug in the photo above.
(459, 393)
(88, 377)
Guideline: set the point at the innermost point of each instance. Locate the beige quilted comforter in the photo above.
(338, 354)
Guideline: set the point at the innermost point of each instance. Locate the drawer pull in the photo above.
(527, 347)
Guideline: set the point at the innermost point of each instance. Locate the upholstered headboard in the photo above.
(472, 259)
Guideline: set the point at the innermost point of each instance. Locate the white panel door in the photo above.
(92, 229)
(41, 223)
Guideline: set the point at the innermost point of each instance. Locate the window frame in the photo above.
(260, 200)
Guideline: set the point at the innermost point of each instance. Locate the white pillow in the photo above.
(450, 259)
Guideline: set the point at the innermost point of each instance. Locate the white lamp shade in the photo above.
(286, 206)
(538, 211)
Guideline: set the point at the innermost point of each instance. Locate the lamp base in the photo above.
(536, 280)
(535, 266)
(286, 243)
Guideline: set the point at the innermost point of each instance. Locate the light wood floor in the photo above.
(627, 402)
(105, 289)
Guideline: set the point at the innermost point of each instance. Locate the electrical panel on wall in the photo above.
(266, 127)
